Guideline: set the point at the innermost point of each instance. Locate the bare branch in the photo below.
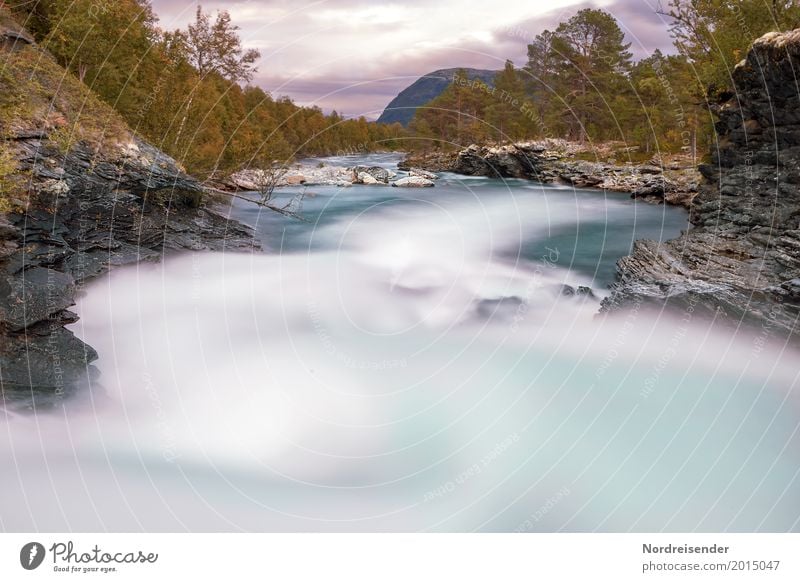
(291, 209)
(267, 179)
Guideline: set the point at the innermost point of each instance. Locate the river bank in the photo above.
(80, 195)
(340, 171)
(125, 212)
(670, 179)
(740, 261)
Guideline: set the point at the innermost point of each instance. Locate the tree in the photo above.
(540, 76)
(106, 44)
(716, 34)
(269, 177)
(180, 90)
(457, 116)
(666, 115)
(217, 48)
(592, 61)
(505, 111)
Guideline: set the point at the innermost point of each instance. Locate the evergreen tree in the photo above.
(592, 62)
(504, 112)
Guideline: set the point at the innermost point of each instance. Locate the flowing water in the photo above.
(409, 359)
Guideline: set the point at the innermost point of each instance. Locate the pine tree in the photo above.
(504, 112)
(593, 60)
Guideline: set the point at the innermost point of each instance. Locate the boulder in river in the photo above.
(560, 161)
(413, 182)
(422, 174)
(378, 174)
(367, 179)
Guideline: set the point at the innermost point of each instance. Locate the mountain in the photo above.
(401, 109)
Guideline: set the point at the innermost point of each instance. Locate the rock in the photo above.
(422, 174)
(136, 204)
(368, 179)
(54, 188)
(244, 180)
(433, 161)
(14, 38)
(376, 173)
(647, 169)
(33, 295)
(46, 361)
(551, 160)
(413, 182)
(472, 162)
(504, 161)
(295, 180)
(581, 180)
(301, 174)
(66, 238)
(580, 291)
(740, 260)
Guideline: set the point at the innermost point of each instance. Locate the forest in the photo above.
(189, 91)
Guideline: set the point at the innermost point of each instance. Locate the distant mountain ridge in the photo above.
(401, 109)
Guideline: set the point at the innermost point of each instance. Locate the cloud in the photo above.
(356, 55)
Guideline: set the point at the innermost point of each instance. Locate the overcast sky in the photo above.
(356, 55)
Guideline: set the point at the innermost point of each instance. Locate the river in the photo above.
(410, 360)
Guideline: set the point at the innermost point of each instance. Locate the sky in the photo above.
(356, 55)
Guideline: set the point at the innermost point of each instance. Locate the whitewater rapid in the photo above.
(404, 363)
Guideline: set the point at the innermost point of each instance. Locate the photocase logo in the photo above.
(31, 555)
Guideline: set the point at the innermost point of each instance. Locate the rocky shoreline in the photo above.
(740, 261)
(672, 180)
(79, 194)
(135, 205)
(304, 174)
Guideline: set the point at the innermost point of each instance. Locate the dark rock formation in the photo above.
(579, 291)
(81, 194)
(741, 258)
(431, 161)
(557, 161)
(86, 212)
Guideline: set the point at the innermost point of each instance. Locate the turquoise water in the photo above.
(590, 228)
(407, 361)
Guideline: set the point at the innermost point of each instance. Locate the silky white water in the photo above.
(407, 361)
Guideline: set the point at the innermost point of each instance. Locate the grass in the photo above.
(36, 93)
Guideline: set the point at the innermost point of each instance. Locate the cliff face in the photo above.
(81, 194)
(741, 258)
